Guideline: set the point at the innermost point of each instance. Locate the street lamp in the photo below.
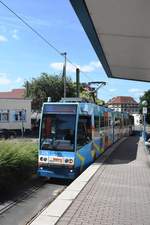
(144, 105)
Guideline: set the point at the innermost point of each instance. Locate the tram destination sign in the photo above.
(59, 109)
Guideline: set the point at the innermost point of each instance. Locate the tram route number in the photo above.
(56, 160)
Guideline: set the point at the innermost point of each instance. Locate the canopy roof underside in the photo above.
(120, 34)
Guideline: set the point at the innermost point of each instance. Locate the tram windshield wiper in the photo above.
(49, 144)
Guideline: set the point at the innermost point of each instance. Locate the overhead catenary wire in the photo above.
(29, 26)
(42, 37)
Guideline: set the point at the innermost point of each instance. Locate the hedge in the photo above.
(18, 162)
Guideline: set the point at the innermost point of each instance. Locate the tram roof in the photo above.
(83, 106)
(119, 32)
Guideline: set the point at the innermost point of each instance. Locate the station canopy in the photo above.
(119, 31)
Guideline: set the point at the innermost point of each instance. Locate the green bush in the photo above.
(18, 162)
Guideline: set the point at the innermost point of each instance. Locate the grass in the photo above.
(18, 162)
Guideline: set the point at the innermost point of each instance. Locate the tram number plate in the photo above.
(56, 160)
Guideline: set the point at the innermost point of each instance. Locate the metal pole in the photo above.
(64, 75)
(144, 131)
(144, 103)
(78, 82)
(64, 72)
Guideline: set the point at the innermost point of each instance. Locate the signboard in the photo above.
(59, 109)
(144, 110)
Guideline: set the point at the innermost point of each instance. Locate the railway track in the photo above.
(21, 196)
(28, 203)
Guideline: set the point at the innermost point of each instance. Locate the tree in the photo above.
(46, 85)
(146, 97)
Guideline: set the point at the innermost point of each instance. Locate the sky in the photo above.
(23, 55)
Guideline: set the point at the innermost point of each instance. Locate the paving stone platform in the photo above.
(118, 193)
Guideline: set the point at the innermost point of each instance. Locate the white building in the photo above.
(15, 110)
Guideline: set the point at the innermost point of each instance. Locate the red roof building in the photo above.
(14, 94)
(15, 110)
(124, 104)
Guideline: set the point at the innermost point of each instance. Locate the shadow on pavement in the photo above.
(58, 181)
(21, 190)
(125, 152)
(28, 188)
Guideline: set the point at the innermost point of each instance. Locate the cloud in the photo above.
(3, 39)
(9, 23)
(134, 90)
(92, 66)
(15, 34)
(3, 28)
(96, 64)
(59, 67)
(37, 21)
(137, 92)
(19, 80)
(4, 80)
(112, 89)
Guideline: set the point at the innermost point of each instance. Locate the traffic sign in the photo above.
(144, 110)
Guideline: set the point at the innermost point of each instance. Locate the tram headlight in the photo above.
(66, 160)
(43, 159)
(69, 161)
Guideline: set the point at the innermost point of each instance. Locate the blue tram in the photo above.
(73, 135)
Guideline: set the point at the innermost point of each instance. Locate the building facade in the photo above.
(15, 110)
(124, 104)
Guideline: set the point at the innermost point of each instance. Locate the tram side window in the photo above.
(118, 122)
(96, 122)
(109, 121)
(125, 122)
(102, 121)
(84, 133)
(106, 121)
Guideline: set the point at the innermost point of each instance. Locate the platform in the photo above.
(117, 193)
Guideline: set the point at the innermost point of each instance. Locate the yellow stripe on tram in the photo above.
(93, 153)
(98, 148)
(82, 159)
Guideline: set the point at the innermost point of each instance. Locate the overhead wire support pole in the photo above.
(78, 82)
(144, 128)
(64, 72)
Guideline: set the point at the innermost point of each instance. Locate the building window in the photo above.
(4, 115)
(18, 115)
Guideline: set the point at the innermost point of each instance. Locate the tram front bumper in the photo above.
(65, 173)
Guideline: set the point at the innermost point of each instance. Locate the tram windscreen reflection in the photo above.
(58, 132)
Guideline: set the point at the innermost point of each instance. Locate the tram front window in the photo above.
(58, 132)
